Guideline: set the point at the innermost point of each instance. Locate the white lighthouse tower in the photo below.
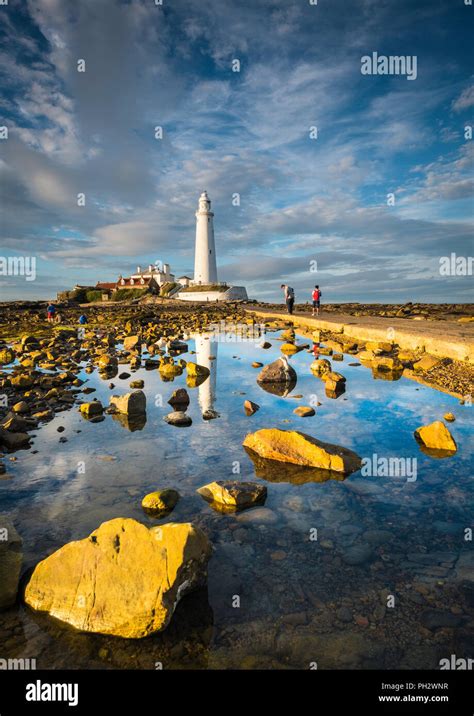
(205, 268)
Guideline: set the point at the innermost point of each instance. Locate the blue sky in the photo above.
(301, 199)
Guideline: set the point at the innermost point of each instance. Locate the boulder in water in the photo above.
(280, 371)
(160, 502)
(130, 403)
(300, 449)
(233, 494)
(124, 579)
(436, 436)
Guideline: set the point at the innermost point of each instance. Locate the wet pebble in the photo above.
(344, 614)
(260, 514)
(294, 502)
(278, 556)
(357, 554)
(432, 619)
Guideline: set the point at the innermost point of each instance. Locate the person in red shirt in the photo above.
(316, 296)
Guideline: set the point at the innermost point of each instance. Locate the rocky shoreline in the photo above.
(117, 340)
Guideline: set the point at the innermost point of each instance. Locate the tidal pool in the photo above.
(365, 572)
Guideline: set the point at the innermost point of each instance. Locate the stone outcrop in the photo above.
(318, 367)
(436, 436)
(170, 370)
(6, 356)
(92, 409)
(131, 343)
(300, 449)
(250, 407)
(130, 403)
(304, 411)
(179, 399)
(13, 440)
(426, 363)
(233, 494)
(124, 579)
(280, 371)
(160, 502)
(107, 362)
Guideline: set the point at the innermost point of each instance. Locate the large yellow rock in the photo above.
(124, 579)
(436, 436)
(300, 449)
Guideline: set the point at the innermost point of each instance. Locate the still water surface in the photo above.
(277, 597)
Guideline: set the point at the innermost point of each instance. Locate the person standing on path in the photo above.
(316, 296)
(289, 297)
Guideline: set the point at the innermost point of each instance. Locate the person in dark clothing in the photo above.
(289, 297)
